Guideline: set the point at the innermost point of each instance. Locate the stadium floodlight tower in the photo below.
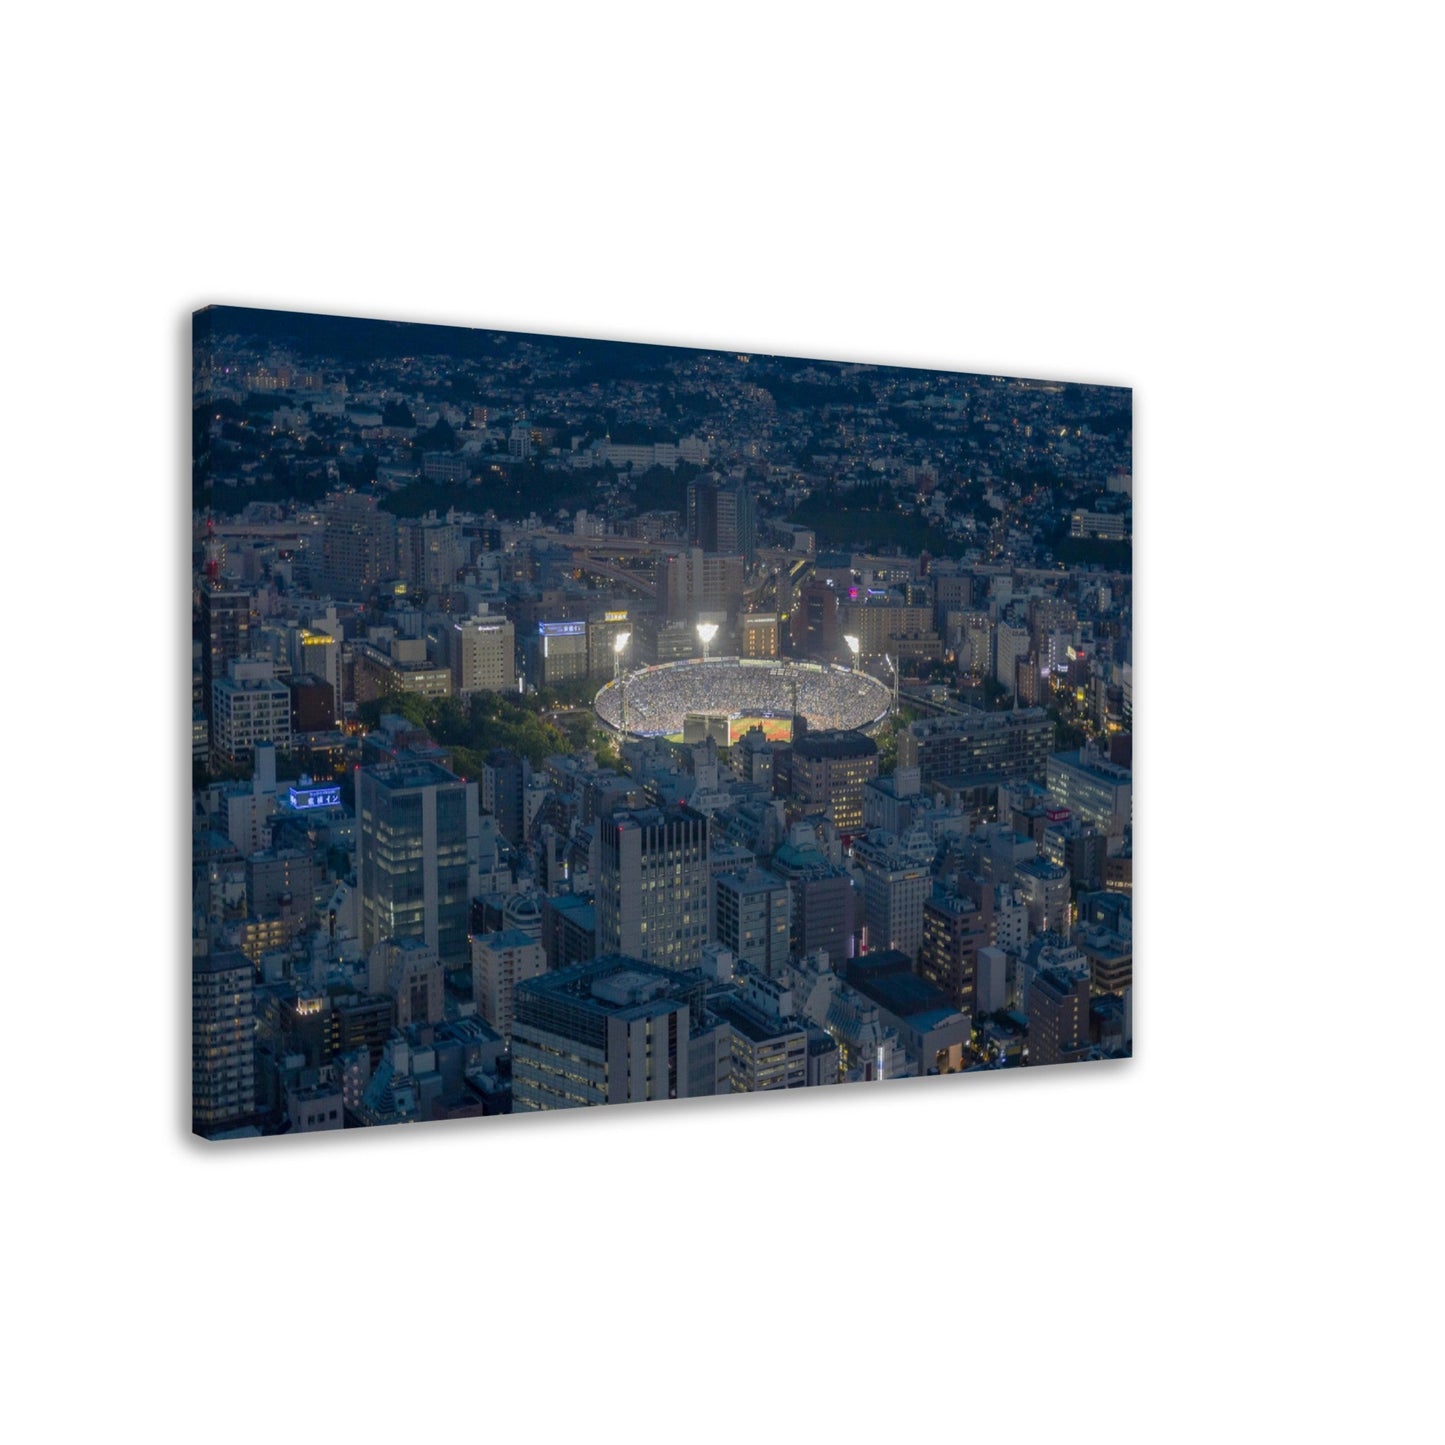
(706, 631)
(852, 647)
(619, 645)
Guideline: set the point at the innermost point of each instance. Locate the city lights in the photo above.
(429, 828)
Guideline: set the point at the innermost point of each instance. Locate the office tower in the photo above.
(982, 746)
(483, 655)
(413, 819)
(653, 894)
(430, 552)
(814, 627)
(891, 804)
(225, 637)
(223, 1045)
(500, 961)
(691, 581)
(612, 1031)
(879, 623)
(358, 545)
(604, 627)
(1057, 1004)
(1045, 889)
(503, 790)
(248, 708)
(720, 518)
(752, 916)
(830, 770)
(896, 883)
(954, 930)
(556, 652)
(1094, 789)
(824, 900)
(655, 639)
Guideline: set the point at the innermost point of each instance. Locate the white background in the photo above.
(1230, 208)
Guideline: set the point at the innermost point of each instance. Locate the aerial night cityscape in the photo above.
(581, 722)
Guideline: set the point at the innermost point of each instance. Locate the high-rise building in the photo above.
(604, 627)
(612, 1031)
(1045, 888)
(830, 770)
(223, 1043)
(1057, 1005)
(249, 707)
(503, 792)
(896, 883)
(752, 914)
(954, 929)
(878, 624)
(1010, 644)
(556, 652)
(225, 638)
(693, 581)
(501, 961)
(413, 874)
(430, 552)
(483, 655)
(653, 895)
(985, 745)
(824, 902)
(1093, 788)
(814, 626)
(720, 517)
(759, 634)
(975, 649)
(358, 545)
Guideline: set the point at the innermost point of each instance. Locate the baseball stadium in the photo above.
(674, 698)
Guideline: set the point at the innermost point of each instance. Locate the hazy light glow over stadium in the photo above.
(659, 698)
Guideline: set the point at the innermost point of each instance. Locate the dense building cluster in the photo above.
(577, 725)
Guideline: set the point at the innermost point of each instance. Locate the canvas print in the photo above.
(581, 722)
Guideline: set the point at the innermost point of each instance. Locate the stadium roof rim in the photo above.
(607, 703)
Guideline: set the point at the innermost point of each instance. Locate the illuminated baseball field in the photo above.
(747, 692)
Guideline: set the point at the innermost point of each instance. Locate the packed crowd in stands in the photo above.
(659, 698)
